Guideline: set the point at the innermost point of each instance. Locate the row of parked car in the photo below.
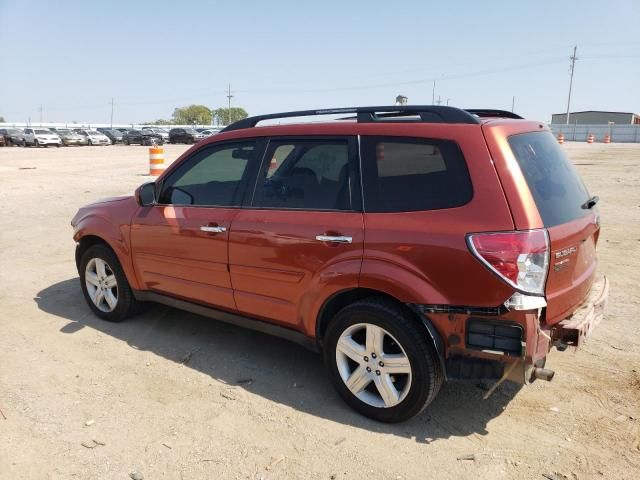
(43, 137)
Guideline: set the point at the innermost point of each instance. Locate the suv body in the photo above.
(40, 137)
(12, 136)
(157, 131)
(410, 246)
(184, 135)
(112, 134)
(142, 137)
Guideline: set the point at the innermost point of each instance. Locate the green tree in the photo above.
(2, 120)
(198, 114)
(160, 121)
(228, 116)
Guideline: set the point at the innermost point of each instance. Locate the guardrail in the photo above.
(580, 133)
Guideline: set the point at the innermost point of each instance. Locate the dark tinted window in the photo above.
(311, 175)
(213, 176)
(555, 185)
(409, 174)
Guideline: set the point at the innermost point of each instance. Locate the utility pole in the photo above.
(111, 123)
(40, 109)
(448, 101)
(513, 102)
(573, 59)
(439, 101)
(229, 97)
(433, 94)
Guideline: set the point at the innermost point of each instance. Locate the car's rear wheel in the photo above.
(105, 286)
(36, 143)
(381, 360)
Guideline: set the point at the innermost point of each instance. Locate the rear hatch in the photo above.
(569, 214)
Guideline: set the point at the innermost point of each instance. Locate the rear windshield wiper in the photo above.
(590, 203)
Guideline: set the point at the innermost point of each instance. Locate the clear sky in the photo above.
(72, 56)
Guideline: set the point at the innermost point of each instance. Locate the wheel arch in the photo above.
(343, 298)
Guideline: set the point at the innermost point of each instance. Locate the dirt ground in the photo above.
(171, 395)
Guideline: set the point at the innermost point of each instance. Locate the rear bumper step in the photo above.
(575, 329)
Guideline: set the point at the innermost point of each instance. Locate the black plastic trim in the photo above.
(228, 317)
(491, 113)
(464, 310)
(427, 114)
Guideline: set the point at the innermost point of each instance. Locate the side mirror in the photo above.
(146, 194)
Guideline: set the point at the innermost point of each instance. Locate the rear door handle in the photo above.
(212, 229)
(335, 239)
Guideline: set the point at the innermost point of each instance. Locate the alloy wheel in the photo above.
(102, 285)
(373, 365)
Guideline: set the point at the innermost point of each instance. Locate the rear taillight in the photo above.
(519, 258)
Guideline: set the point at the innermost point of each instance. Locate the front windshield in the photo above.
(43, 132)
(13, 131)
(190, 130)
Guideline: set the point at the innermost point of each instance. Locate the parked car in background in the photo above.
(69, 137)
(158, 131)
(114, 135)
(412, 246)
(141, 137)
(41, 137)
(184, 135)
(93, 137)
(3, 142)
(12, 136)
(122, 130)
(208, 133)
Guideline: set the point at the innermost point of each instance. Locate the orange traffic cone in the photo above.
(560, 138)
(590, 138)
(607, 138)
(156, 161)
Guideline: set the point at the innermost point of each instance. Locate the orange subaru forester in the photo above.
(409, 244)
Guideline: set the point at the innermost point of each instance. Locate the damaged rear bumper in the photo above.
(574, 330)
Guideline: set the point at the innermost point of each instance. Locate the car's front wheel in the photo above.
(105, 286)
(381, 360)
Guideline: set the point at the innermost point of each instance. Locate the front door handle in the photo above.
(212, 229)
(335, 239)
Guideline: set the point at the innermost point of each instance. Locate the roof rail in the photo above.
(427, 114)
(488, 112)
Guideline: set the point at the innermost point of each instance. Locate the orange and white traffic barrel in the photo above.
(560, 138)
(607, 138)
(590, 138)
(156, 161)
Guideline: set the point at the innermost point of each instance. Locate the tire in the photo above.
(36, 143)
(90, 143)
(126, 141)
(125, 303)
(419, 375)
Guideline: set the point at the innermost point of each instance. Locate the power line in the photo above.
(573, 59)
(229, 97)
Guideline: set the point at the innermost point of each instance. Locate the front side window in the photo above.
(403, 174)
(305, 174)
(213, 176)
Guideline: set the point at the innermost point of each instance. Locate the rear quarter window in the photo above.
(555, 185)
(402, 174)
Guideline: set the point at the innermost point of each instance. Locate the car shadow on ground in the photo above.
(273, 368)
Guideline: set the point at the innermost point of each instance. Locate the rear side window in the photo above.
(556, 187)
(403, 174)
